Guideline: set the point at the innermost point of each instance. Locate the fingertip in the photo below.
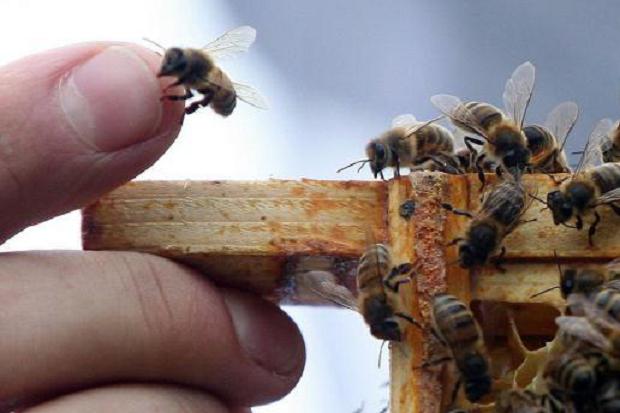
(112, 99)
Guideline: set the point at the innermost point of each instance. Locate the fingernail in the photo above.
(112, 99)
(268, 336)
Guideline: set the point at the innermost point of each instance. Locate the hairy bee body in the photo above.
(399, 146)
(455, 325)
(498, 215)
(547, 156)
(374, 304)
(577, 197)
(608, 396)
(525, 401)
(610, 145)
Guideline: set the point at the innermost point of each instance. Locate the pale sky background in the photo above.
(336, 72)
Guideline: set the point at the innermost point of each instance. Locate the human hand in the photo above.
(114, 331)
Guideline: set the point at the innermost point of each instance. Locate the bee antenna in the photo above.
(545, 291)
(538, 199)
(154, 43)
(362, 161)
(380, 354)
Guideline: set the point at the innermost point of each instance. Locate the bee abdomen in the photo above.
(433, 139)
(373, 267)
(606, 176)
(486, 113)
(505, 203)
(455, 322)
(576, 376)
(609, 301)
(224, 102)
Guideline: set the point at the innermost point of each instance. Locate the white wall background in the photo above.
(336, 72)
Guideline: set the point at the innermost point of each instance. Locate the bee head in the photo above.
(174, 63)
(475, 370)
(561, 207)
(567, 282)
(378, 154)
(516, 159)
(481, 242)
(379, 316)
(386, 330)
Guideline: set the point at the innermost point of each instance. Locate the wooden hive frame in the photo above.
(258, 235)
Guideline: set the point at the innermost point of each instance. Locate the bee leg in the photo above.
(188, 95)
(480, 171)
(456, 211)
(454, 242)
(616, 208)
(207, 96)
(592, 229)
(435, 362)
(579, 223)
(497, 261)
(396, 285)
(527, 221)
(455, 391)
(397, 169)
(555, 180)
(410, 319)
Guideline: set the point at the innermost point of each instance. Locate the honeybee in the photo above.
(599, 326)
(378, 283)
(610, 144)
(408, 142)
(546, 143)
(500, 213)
(196, 70)
(589, 187)
(457, 329)
(587, 279)
(608, 396)
(520, 401)
(503, 139)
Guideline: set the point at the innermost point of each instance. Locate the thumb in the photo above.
(76, 122)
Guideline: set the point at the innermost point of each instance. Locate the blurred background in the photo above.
(336, 72)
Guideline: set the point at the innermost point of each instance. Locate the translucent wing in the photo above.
(581, 328)
(232, 42)
(455, 109)
(518, 92)
(610, 197)
(592, 154)
(324, 285)
(250, 96)
(406, 119)
(561, 121)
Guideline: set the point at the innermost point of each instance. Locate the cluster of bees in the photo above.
(582, 372)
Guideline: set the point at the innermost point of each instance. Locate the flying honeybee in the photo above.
(407, 143)
(547, 142)
(590, 186)
(610, 144)
(196, 70)
(500, 213)
(503, 139)
(457, 329)
(378, 283)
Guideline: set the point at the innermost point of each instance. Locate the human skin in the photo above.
(114, 331)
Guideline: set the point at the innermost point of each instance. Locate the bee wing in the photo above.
(581, 328)
(406, 119)
(592, 154)
(455, 109)
(324, 285)
(250, 96)
(518, 92)
(561, 121)
(610, 197)
(235, 41)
